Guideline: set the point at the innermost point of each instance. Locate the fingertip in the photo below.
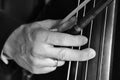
(92, 53)
(81, 40)
(89, 54)
(61, 63)
(84, 39)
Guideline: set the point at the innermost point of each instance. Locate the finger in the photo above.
(56, 38)
(43, 70)
(76, 55)
(66, 39)
(64, 53)
(40, 62)
(60, 63)
(45, 62)
(70, 54)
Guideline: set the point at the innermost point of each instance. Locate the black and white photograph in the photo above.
(59, 40)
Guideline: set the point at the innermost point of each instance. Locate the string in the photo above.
(72, 48)
(74, 11)
(66, 18)
(76, 70)
(89, 42)
(69, 66)
(89, 45)
(71, 14)
(77, 63)
(101, 60)
(79, 46)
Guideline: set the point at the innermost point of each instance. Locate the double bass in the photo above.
(101, 33)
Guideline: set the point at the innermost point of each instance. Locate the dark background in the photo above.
(58, 7)
(116, 61)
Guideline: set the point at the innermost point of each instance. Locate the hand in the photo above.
(36, 52)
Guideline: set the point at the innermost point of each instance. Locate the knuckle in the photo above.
(61, 54)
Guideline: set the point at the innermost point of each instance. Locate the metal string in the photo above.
(101, 60)
(87, 63)
(86, 71)
(76, 70)
(88, 44)
(69, 66)
(68, 73)
(77, 63)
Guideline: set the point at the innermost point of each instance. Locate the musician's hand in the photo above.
(34, 49)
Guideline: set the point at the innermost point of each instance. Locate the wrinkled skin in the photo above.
(31, 46)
